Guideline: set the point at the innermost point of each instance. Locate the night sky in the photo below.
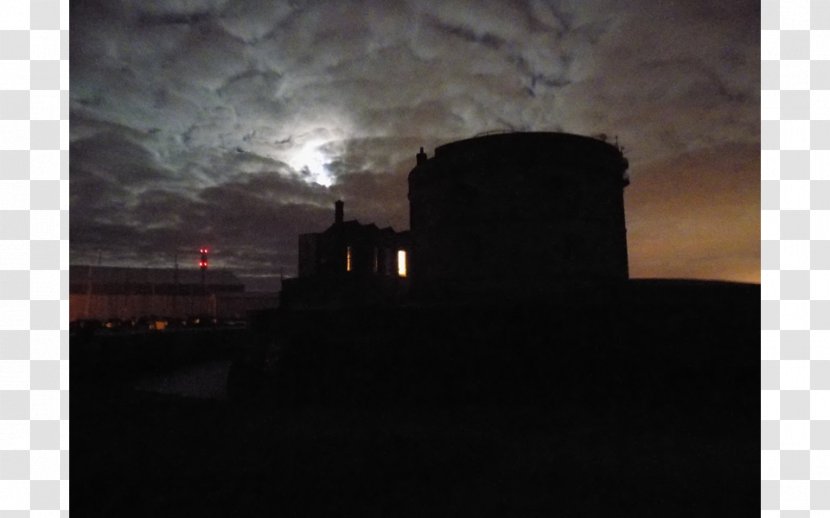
(236, 124)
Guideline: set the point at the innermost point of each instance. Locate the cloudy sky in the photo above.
(236, 123)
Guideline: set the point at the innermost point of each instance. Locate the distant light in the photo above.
(348, 258)
(401, 263)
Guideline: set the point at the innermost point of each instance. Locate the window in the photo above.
(401, 263)
(348, 258)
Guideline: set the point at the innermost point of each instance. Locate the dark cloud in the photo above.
(237, 123)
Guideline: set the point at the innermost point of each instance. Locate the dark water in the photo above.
(203, 381)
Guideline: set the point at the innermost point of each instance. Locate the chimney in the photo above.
(338, 212)
(421, 157)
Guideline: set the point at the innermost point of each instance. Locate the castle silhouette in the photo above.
(493, 217)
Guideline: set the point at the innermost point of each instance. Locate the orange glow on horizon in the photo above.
(696, 216)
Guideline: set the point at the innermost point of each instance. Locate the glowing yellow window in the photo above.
(348, 258)
(401, 263)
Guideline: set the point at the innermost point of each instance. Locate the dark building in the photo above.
(108, 292)
(349, 247)
(116, 280)
(508, 214)
(495, 217)
(349, 263)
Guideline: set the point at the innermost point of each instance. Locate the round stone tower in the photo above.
(506, 213)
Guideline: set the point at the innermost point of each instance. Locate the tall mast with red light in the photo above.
(203, 265)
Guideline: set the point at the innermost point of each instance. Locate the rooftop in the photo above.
(125, 275)
(533, 146)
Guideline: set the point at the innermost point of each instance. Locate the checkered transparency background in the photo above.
(795, 258)
(34, 258)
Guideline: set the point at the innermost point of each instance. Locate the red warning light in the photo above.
(203, 262)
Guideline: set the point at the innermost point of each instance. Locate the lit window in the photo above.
(348, 258)
(401, 263)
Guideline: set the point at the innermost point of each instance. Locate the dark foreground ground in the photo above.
(648, 408)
